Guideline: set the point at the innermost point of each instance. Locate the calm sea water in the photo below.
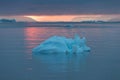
(18, 63)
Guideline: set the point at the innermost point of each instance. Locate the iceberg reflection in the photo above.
(62, 62)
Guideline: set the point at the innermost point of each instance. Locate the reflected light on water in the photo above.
(33, 36)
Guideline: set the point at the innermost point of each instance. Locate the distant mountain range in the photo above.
(7, 21)
(88, 22)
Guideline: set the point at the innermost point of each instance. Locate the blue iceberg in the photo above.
(61, 44)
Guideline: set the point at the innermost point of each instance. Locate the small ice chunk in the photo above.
(60, 44)
(69, 25)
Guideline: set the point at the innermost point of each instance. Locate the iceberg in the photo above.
(61, 44)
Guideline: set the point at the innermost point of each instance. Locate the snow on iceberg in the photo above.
(61, 44)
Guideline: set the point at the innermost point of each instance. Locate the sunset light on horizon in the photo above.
(63, 18)
(69, 18)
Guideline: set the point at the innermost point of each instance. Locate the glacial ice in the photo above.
(61, 44)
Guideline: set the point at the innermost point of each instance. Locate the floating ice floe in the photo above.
(61, 44)
(69, 25)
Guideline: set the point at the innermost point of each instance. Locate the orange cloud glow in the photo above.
(55, 18)
(52, 18)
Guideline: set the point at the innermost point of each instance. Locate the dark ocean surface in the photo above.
(17, 62)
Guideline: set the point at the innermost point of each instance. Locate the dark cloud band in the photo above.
(58, 7)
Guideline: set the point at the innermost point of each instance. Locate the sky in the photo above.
(60, 10)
